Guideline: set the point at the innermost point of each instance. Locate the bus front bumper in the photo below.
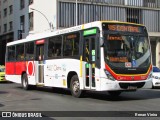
(108, 85)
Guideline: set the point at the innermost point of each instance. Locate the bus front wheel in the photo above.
(75, 87)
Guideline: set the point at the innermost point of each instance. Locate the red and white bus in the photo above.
(99, 56)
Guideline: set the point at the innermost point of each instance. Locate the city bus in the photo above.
(109, 56)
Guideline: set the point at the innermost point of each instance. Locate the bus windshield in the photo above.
(127, 50)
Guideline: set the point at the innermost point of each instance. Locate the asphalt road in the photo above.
(14, 98)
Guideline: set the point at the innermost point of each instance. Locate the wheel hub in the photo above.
(76, 87)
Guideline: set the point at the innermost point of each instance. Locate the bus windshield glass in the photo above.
(126, 46)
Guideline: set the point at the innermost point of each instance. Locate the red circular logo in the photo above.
(30, 68)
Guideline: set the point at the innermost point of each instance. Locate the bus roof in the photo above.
(39, 36)
(113, 21)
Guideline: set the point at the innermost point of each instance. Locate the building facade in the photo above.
(6, 26)
(34, 16)
(20, 18)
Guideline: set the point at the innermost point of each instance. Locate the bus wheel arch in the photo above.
(73, 84)
(69, 77)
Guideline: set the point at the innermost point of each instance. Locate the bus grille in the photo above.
(126, 85)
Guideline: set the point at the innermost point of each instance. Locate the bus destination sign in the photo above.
(124, 28)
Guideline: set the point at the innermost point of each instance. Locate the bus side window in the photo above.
(29, 50)
(71, 44)
(50, 52)
(11, 53)
(20, 52)
(11, 57)
(54, 46)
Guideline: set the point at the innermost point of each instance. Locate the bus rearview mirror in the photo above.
(101, 41)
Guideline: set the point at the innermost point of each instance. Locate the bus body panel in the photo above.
(56, 71)
(31, 80)
(15, 68)
(10, 68)
(13, 78)
(97, 79)
(108, 85)
(31, 72)
(20, 67)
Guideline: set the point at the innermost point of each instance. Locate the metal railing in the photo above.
(118, 2)
(136, 3)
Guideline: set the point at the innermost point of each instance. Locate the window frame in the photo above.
(22, 4)
(14, 58)
(22, 23)
(31, 21)
(61, 48)
(5, 12)
(10, 25)
(79, 37)
(28, 59)
(24, 56)
(11, 9)
(5, 28)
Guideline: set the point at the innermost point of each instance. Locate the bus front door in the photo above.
(40, 64)
(89, 65)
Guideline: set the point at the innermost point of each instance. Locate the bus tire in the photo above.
(75, 87)
(25, 84)
(114, 93)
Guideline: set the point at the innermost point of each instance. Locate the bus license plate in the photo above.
(132, 88)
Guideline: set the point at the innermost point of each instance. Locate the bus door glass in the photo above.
(40, 60)
(89, 58)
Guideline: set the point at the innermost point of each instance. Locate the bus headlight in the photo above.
(110, 77)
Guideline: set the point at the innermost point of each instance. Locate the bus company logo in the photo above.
(30, 68)
(57, 68)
